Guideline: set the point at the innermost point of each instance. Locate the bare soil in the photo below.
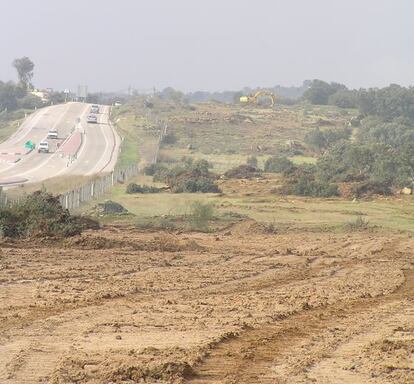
(238, 306)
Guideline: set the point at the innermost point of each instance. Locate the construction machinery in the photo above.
(254, 99)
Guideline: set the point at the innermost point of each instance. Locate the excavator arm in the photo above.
(255, 98)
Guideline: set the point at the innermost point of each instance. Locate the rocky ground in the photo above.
(239, 306)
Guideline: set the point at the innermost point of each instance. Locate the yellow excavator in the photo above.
(254, 99)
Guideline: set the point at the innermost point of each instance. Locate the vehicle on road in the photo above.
(43, 147)
(95, 109)
(52, 134)
(92, 119)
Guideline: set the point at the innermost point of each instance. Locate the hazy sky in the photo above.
(210, 44)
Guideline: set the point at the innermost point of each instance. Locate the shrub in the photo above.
(323, 139)
(304, 181)
(192, 176)
(201, 214)
(370, 188)
(40, 214)
(242, 172)
(110, 207)
(359, 224)
(252, 161)
(279, 164)
(136, 188)
(168, 139)
(152, 169)
(305, 186)
(189, 184)
(164, 158)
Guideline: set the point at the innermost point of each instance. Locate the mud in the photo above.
(241, 306)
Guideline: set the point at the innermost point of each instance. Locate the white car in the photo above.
(43, 147)
(95, 109)
(52, 135)
(92, 119)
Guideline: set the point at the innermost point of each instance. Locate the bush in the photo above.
(252, 161)
(305, 186)
(191, 176)
(304, 181)
(152, 169)
(136, 188)
(201, 214)
(40, 214)
(279, 164)
(164, 158)
(370, 188)
(110, 207)
(190, 184)
(322, 139)
(168, 139)
(359, 224)
(242, 172)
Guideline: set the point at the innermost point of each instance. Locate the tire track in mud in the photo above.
(248, 358)
(257, 351)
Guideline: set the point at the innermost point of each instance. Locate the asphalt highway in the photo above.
(81, 148)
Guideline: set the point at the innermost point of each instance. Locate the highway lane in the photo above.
(100, 149)
(98, 152)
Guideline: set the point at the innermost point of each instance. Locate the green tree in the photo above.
(316, 139)
(9, 95)
(24, 67)
(319, 91)
(279, 164)
(344, 99)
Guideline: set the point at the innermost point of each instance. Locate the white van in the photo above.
(43, 147)
(52, 135)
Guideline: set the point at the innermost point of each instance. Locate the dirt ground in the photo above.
(238, 306)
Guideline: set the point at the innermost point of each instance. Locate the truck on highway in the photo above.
(43, 147)
(52, 134)
(95, 109)
(92, 119)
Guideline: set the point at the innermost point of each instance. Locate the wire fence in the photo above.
(97, 187)
(92, 189)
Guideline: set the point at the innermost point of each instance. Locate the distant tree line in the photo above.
(388, 103)
(285, 95)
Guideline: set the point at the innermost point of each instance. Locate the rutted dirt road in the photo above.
(123, 306)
